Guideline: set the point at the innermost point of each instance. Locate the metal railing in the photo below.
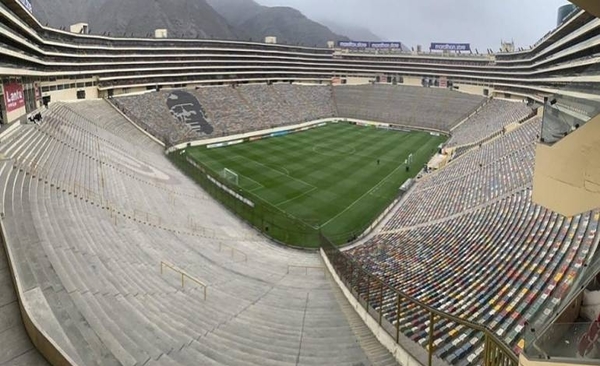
(183, 274)
(233, 252)
(395, 310)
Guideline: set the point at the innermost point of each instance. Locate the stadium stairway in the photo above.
(90, 274)
(15, 346)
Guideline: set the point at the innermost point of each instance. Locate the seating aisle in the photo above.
(16, 348)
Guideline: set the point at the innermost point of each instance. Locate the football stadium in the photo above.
(180, 201)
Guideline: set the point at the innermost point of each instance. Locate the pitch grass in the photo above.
(327, 177)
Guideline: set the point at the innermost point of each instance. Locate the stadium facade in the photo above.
(60, 64)
(40, 65)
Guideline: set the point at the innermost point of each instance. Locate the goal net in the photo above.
(230, 176)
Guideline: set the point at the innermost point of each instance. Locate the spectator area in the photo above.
(91, 208)
(432, 108)
(230, 110)
(468, 240)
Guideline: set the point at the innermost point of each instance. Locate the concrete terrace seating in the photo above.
(412, 106)
(89, 216)
(231, 110)
(150, 112)
(492, 118)
(503, 265)
(496, 169)
(468, 240)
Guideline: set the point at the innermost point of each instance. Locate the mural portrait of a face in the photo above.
(186, 108)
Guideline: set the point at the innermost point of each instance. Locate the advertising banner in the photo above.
(443, 82)
(450, 47)
(374, 45)
(14, 98)
(385, 45)
(38, 91)
(353, 44)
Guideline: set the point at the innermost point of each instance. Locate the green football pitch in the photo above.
(334, 179)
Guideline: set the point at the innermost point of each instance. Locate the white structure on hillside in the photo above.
(80, 28)
(161, 33)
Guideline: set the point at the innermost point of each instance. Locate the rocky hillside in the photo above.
(218, 19)
(289, 25)
(190, 19)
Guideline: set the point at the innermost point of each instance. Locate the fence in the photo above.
(270, 220)
(392, 309)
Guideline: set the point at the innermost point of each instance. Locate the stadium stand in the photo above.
(92, 207)
(231, 110)
(468, 240)
(150, 112)
(252, 107)
(491, 119)
(412, 106)
(498, 168)
(503, 265)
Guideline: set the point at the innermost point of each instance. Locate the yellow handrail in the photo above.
(183, 275)
(233, 251)
(306, 268)
(359, 279)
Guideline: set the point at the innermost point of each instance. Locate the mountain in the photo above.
(236, 12)
(287, 24)
(63, 13)
(190, 19)
(219, 19)
(186, 19)
(354, 32)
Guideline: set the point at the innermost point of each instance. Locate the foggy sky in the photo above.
(483, 23)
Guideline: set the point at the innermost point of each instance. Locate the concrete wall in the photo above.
(523, 361)
(473, 89)
(126, 91)
(357, 81)
(592, 6)
(14, 115)
(413, 80)
(567, 174)
(40, 339)
(71, 94)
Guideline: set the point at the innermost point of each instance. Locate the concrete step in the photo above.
(16, 348)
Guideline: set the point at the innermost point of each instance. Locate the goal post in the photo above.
(230, 176)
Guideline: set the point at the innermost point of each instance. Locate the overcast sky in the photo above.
(483, 23)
